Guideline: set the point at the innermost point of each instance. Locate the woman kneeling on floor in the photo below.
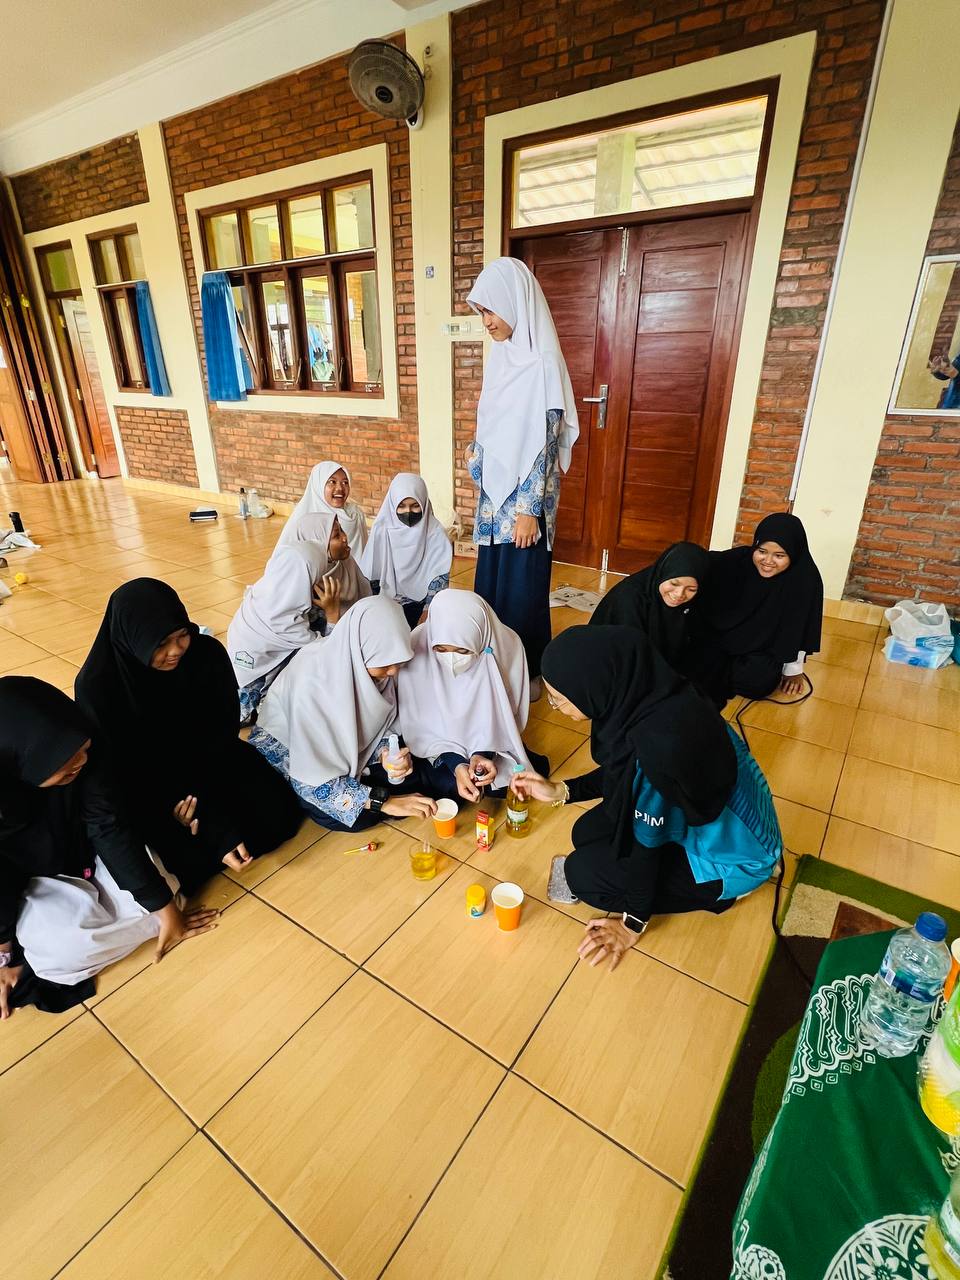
(465, 696)
(341, 583)
(162, 700)
(78, 891)
(327, 718)
(687, 821)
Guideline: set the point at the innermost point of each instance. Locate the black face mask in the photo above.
(410, 518)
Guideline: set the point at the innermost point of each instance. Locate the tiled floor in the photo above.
(350, 1077)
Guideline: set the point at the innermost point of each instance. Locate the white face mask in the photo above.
(457, 663)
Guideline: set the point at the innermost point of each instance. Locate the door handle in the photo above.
(601, 400)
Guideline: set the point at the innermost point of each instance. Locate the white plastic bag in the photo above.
(920, 624)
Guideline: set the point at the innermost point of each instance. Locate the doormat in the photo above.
(574, 598)
(827, 902)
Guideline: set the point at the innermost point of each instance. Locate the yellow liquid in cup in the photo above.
(423, 864)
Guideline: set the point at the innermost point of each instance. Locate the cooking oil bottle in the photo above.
(941, 1242)
(518, 811)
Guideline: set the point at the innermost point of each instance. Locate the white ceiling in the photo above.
(77, 72)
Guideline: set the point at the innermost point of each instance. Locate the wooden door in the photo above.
(578, 275)
(15, 427)
(89, 388)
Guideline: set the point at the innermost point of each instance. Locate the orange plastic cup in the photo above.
(445, 819)
(507, 902)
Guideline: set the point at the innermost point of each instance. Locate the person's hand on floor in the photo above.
(411, 806)
(525, 532)
(9, 977)
(606, 937)
(237, 858)
(533, 786)
(184, 813)
(178, 926)
(792, 685)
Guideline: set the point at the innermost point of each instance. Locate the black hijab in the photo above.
(636, 601)
(643, 713)
(187, 715)
(780, 616)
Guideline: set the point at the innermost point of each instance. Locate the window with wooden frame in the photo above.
(117, 266)
(302, 266)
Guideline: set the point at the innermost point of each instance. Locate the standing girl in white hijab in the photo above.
(328, 489)
(325, 721)
(273, 620)
(464, 698)
(409, 554)
(527, 426)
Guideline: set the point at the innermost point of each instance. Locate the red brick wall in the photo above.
(909, 538)
(157, 444)
(302, 117)
(508, 53)
(106, 177)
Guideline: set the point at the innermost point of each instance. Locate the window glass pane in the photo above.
(131, 243)
(690, 158)
(264, 227)
(352, 217)
(223, 236)
(106, 263)
(61, 270)
(363, 326)
(319, 313)
(245, 325)
(278, 329)
(126, 331)
(306, 226)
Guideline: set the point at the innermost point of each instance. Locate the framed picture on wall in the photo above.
(928, 375)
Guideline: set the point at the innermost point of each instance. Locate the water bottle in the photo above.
(938, 1076)
(394, 761)
(253, 502)
(911, 977)
(243, 510)
(941, 1242)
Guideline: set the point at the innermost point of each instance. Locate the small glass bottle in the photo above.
(518, 811)
(941, 1241)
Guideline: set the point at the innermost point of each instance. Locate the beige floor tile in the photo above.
(197, 1217)
(537, 1195)
(641, 1053)
(865, 631)
(727, 952)
(221, 593)
(490, 986)
(527, 861)
(929, 873)
(906, 701)
(907, 745)
(57, 613)
(825, 724)
(802, 828)
(84, 1129)
(797, 771)
(841, 651)
(354, 903)
(53, 670)
(213, 1011)
(72, 635)
(261, 868)
(561, 618)
(900, 803)
(76, 657)
(835, 684)
(28, 1028)
(555, 741)
(15, 652)
(947, 677)
(855, 610)
(349, 1127)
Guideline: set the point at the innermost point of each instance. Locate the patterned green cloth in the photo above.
(852, 1169)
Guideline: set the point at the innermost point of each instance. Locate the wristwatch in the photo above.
(634, 923)
(377, 797)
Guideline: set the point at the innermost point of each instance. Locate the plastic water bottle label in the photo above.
(905, 984)
(950, 1227)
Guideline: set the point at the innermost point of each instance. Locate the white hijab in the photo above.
(483, 708)
(522, 378)
(325, 708)
(406, 560)
(352, 520)
(273, 618)
(314, 529)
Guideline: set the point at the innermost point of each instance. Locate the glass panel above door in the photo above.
(693, 157)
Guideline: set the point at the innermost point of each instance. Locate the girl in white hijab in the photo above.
(328, 489)
(325, 721)
(464, 698)
(341, 583)
(527, 426)
(273, 620)
(409, 554)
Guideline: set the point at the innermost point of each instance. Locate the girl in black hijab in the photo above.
(658, 600)
(687, 821)
(78, 890)
(759, 616)
(163, 701)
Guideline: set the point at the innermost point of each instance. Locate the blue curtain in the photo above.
(153, 355)
(228, 373)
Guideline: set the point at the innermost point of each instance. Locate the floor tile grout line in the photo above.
(52, 1036)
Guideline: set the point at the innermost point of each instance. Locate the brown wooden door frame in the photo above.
(103, 450)
(16, 432)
